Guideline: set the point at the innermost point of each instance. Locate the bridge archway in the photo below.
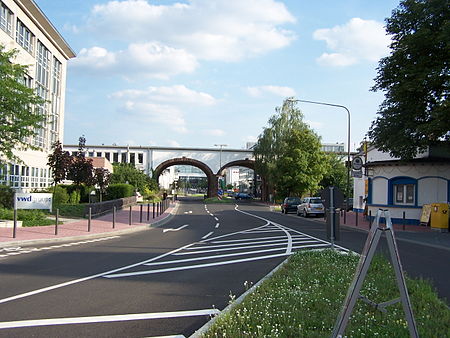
(212, 179)
(239, 163)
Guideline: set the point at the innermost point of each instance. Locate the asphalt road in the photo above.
(167, 280)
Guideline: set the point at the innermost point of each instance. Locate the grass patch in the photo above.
(215, 200)
(305, 296)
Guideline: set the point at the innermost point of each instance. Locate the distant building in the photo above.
(403, 186)
(334, 148)
(23, 26)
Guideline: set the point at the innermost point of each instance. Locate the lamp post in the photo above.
(220, 156)
(348, 136)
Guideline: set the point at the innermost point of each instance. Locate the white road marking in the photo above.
(188, 212)
(216, 218)
(208, 234)
(200, 251)
(257, 239)
(75, 281)
(217, 225)
(177, 229)
(105, 319)
(176, 336)
(119, 275)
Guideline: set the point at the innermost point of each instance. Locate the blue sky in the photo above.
(203, 72)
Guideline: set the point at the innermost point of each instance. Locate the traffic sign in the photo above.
(338, 197)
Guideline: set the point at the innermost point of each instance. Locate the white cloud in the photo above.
(275, 90)
(212, 30)
(149, 59)
(357, 40)
(173, 143)
(214, 132)
(168, 94)
(162, 105)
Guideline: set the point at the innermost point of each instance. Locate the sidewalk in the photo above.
(78, 229)
(411, 233)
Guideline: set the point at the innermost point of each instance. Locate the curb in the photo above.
(198, 333)
(156, 224)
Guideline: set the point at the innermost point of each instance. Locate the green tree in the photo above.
(102, 177)
(336, 172)
(59, 161)
(288, 153)
(127, 173)
(415, 78)
(19, 119)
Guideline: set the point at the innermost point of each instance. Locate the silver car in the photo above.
(311, 206)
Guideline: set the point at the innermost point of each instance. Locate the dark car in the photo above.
(290, 204)
(242, 196)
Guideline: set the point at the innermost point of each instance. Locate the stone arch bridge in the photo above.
(153, 160)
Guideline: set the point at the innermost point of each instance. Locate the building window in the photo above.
(55, 92)
(108, 156)
(115, 157)
(402, 191)
(99, 154)
(141, 158)
(6, 18)
(132, 158)
(24, 37)
(91, 154)
(124, 158)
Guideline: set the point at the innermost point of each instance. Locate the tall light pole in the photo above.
(348, 136)
(220, 156)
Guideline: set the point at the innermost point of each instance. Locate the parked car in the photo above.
(242, 196)
(311, 206)
(290, 204)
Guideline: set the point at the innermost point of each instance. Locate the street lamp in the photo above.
(220, 156)
(348, 136)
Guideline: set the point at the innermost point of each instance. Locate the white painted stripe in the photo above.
(176, 336)
(105, 319)
(75, 281)
(250, 241)
(208, 234)
(236, 248)
(217, 225)
(188, 267)
(255, 239)
(13, 253)
(216, 218)
(181, 227)
(231, 234)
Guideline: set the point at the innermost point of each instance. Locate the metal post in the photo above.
(370, 219)
(129, 216)
(332, 221)
(15, 223)
(148, 211)
(356, 218)
(404, 220)
(56, 221)
(345, 216)
(89, 219)
(140, 214)
(114, 217)
(153, 209)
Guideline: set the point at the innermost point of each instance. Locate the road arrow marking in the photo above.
(181, 227)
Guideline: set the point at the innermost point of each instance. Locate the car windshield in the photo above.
(293, 200)
(316, 201)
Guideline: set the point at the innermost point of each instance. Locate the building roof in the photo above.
(47, 28)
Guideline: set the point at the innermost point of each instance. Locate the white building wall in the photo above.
(432, 190)
(379, 191)
(35, 162)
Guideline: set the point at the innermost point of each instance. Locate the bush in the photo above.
(60, 195)
(70, 210)
(119, 190)
(74, 197)
(78, 193)
(6, 196)
(23, 215)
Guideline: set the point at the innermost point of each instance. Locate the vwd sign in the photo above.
(33, 201)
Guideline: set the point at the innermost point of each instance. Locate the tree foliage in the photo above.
(127, 173)
(102, 177)
(59, 161)
(415, 78)
(18, 119)
(288, 153)
(81, 169)
(336, 173)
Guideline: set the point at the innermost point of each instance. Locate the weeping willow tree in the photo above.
(288, 154)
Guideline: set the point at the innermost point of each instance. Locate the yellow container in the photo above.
(439, 215)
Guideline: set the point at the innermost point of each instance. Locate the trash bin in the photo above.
(439, 216)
